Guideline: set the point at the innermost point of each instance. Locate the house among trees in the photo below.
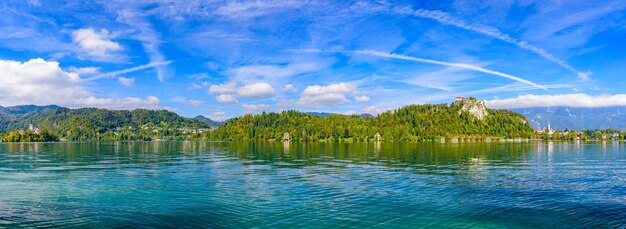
(33, 129)
(377, 137)
(460, 99)
(286, 136)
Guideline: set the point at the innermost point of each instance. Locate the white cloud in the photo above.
(226, 98)
(151, 102)
(256, 90)
(126, 81)
(332, 88)
(97, 44)
(230, 87)
(43, 82)
(195, 103)
(322, 99)
(332, 94)
(569, 100)
(195, 86)
(290, 88)
(218, 115)
(362, 98)
(228, 92)
(84, 70)
(374, 110)
(250, 108)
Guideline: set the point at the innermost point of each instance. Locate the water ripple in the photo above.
(321, 185)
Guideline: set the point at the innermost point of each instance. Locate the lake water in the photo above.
(314, 185)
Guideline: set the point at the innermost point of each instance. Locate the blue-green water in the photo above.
(315, 185)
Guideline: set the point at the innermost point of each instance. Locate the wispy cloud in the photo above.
(245, 9)
(445, 18)
(445, 79)
(515, 87)
(437, 62)
(250, 108)
(271, 73)
(128, 82)
(128, 70)
(148, 37)
(508, 88)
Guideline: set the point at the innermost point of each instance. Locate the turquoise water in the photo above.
(314, 185)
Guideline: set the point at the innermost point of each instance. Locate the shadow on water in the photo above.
(276, 184)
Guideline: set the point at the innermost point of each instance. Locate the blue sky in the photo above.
(225, 58)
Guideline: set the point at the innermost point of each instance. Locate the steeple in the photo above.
(550, 131)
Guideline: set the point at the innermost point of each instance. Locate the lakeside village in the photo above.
(547, 134)
(35, 134)
(127, 133)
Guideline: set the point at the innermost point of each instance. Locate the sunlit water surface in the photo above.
(314, 185)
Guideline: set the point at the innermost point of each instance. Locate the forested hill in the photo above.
(101, 124)
(465, 119)
(207, 121)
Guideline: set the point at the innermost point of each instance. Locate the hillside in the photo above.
(100, 124)
(207, 121)
(466, 118)
(576, 118)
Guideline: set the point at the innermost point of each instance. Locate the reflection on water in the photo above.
(267, 184)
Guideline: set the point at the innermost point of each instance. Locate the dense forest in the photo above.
(410, 123)
(97, 124)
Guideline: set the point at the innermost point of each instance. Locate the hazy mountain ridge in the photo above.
(209, 122)
(576, 118)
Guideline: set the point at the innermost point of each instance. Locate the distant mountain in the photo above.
(209, 122)
(576, 118)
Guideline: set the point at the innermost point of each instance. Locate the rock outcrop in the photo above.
(475, 108)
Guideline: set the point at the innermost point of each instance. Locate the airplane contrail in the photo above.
(445, 18)
(437, 62)
(128, 70)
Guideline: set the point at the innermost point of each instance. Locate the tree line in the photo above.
(97, 124)
(410, 123)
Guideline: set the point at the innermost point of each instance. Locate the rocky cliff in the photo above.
(476, 108)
